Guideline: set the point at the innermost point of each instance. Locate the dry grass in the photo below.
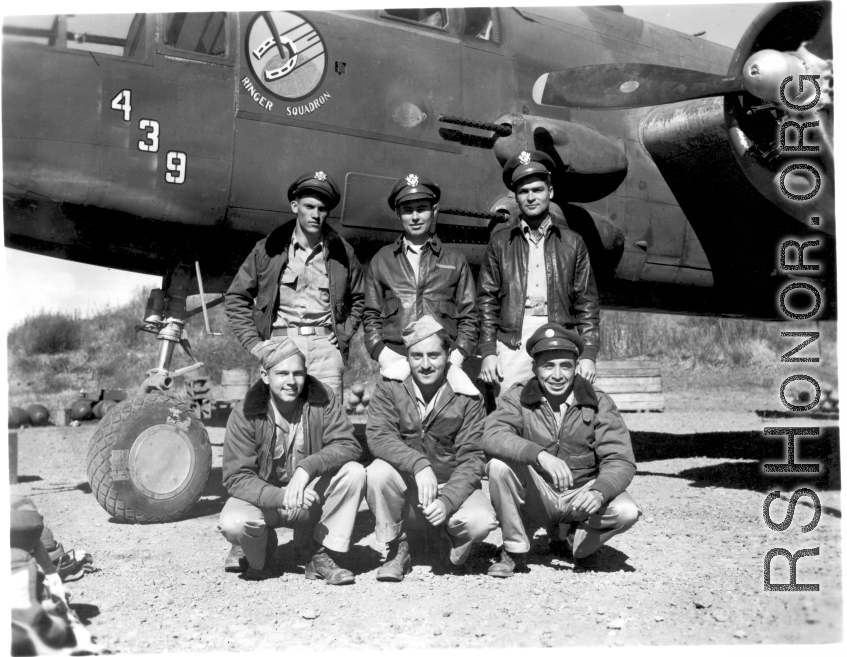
(54, 356)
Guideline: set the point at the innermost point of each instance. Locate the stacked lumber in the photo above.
(634, 385)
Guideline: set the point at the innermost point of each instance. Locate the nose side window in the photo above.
(203, 33)
(122, 35)
(432, 17)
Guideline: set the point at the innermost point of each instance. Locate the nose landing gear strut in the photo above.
(150, 457)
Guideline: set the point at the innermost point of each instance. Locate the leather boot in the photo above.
(236, 561)
(398, 562)
(508, 564)
(270, 549)
(321, 566)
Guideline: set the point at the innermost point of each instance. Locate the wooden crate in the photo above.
(634, 385)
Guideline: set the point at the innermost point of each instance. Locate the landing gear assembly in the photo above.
(150, 457)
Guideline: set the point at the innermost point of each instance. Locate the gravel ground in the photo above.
(690, 572)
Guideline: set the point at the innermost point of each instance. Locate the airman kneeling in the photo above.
(290, 460)
(561, 455)
(425, 425)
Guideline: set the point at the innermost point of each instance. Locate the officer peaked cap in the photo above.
(525, 164)
(554, 337)
(413, 187)
(319, 182)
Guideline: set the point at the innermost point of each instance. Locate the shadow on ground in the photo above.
(748, 445)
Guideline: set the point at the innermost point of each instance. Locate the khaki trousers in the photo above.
(392, 496)
(330, 519)
(323, 361)
(517, 363)
(518, 492)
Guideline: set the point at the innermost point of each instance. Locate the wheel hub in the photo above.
(161, 461)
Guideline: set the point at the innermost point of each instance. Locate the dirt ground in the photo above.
(690, 572)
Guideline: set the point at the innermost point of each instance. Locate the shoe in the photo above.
(450, 554)
(562, 543)
(398, 562)
(236, 561)
(321, 566)
(270, 549)
(508, 564)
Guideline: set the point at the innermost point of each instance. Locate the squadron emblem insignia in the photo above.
(524, 159)
(286, 54)
(320, 175)
(412, 180)
(548, 333)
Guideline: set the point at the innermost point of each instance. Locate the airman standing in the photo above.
(534, 271)
(302, 281)
(417, 275)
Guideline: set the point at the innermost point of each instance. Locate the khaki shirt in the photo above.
(563, 408)
(289, 445)
(304, 288)
(413, 255)
(425, 409)
(536, 274)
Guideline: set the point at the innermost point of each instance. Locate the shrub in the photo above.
(46, 333)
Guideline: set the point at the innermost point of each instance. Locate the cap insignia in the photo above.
(412, 180)
(320, 176)
(548, 333)
(524, 157)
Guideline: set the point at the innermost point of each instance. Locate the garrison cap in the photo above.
(420, 330)
(276, 350)
(526, 163)
(554, 337)
(413, 187)
(316, 181)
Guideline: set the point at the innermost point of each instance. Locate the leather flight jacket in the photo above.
(252, 299)
(393, 298)
(571, 291)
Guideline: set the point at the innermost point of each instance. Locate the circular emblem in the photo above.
(549, 333)
(286, 54)
(629, 87)
(320, 176)
(524, 157)
(412, 180)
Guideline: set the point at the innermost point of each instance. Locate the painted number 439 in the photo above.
(175, 161)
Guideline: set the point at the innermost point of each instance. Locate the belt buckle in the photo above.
(307, 330)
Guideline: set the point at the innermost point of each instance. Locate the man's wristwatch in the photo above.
(600, 493)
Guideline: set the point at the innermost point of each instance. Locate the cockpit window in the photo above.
(123, 35)
(480, 23)
(103, 33)
(428, 17)
(203, 33)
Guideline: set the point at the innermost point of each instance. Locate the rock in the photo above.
(616, 624)
(703, 602)
(537, 591)
(658, 619)
(601, 611)
(309, 614)
(720, 617)
(740, 634)
(651, 519)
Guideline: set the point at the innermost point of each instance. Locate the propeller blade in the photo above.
(622, 86)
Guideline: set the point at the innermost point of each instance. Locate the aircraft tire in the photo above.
(149, 460)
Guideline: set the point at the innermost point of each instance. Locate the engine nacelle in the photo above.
(589, 165)
(787, 40)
